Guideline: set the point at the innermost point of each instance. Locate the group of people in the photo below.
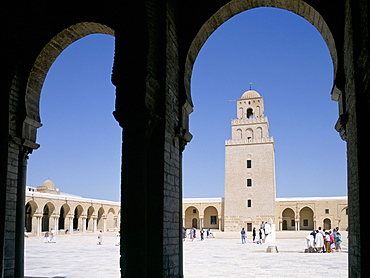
(322, 241)
(50, 236)
(193, 233)
(263, 231)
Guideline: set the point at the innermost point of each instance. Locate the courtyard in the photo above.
(223, 256)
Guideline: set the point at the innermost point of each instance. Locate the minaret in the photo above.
(250, 188)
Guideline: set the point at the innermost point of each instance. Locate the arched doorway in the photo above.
(77, 218)
(327, 224)
(47, 211)
(191, 217)
(194, 223)
(211, 218)
(100, 220)
(89, 219)
(306, 219)
(288, 216)
(64, 210)
(29, 216)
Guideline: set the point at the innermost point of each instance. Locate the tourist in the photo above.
(118, 238)
(183, 233)
(208, 232)
(327, 242)
(100, 237)
(254, 234)
(339, 241)
(52, 235)
(335, 233)
(319, 242)
(193, 234)
(261, 236)
(46, 237)
(313, 233)
(242, 232)
(201, 234)
(332, 241)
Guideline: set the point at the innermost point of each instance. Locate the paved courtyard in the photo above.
(223, 256)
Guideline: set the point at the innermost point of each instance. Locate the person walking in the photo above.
(100, 237)
(201, 234)
(183, 233)
(254, 234)
(46, 237)
(242, 232)
(193, 234)
(52, 235)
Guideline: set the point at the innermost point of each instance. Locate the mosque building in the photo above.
(249, 192)
(250, 187)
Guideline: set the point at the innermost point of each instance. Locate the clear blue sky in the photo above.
(283, 56)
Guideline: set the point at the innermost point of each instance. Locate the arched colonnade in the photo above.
(69, 214)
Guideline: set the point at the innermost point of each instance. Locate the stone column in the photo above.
(70, 224)
(82, 222)
(95, 223)
(39, 228)
(297, 224)
(104, 224)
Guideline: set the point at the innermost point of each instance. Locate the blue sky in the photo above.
(283, 56)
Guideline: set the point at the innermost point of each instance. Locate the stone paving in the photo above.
(223, 256)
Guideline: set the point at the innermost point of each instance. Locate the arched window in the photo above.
(249, 113)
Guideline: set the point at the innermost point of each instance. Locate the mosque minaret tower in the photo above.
(250, 188)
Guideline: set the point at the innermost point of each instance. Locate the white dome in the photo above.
(250, 94)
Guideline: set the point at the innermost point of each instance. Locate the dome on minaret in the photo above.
(250, 94)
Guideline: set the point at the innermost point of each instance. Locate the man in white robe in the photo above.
(319, 241)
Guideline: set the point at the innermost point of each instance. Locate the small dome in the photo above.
(250, 94)
(49, 184)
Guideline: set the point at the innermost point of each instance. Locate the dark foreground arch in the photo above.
(156, 45)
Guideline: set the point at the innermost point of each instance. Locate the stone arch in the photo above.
(288, 216)
(343, 224)
(89, 219)
(191, 213)
(77, 221)
(249, 134)
(306, 216)
(47, 211)
(42, 64)
(111, 220)
(235, 7)
(259, 133)
(211, 218)
(100, 219)
(327, 224)
(30, 210)
(239, 134)
(63, 212)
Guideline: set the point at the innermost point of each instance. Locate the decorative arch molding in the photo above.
(42, 65)
(235, 7)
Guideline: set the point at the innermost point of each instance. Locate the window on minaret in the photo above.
(249, 203)
(249, 182)
(249, 163)
(249, 112)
